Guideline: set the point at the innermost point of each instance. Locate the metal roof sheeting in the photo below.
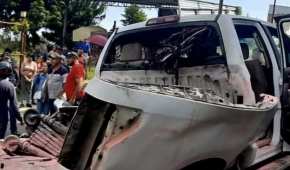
(190, 7)
(146, 2)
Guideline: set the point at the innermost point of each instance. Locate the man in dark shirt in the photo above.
(8, 103)
(14, 77)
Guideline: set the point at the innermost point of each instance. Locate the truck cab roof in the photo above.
(195, 18)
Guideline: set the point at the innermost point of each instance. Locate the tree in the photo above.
(37, 18)
(61, 17)
(9, 10)
(133, 14)
(67, 15)
(238, 11)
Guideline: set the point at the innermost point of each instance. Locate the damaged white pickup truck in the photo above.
(207, 92)
(197, 92)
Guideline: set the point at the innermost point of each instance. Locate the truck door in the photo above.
(283, 24)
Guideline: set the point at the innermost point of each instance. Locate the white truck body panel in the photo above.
(184, 131)
(181, 125)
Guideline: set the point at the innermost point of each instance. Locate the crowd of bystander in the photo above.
(41, 79)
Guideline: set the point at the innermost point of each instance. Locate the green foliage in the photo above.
(37, 15)
(238, 11)
(51, 16)
(90, 72)
(79, 12)
(133, 14)
(9, 10)
(6, 41)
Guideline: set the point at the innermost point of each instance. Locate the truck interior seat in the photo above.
(256, 70)
(245, 50)
(131, 52)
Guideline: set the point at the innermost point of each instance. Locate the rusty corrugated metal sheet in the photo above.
(39, 151)
(279, 164)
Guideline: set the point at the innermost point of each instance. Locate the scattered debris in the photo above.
(199, 94)
(41, 149)
(279, 164)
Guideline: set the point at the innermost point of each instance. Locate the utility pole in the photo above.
(65, 18)
(221, 4)
(23, 40)
(273, 12)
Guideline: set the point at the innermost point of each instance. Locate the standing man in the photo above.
(57, 73)
(38, 87)
(7, 101)
(28, 71)
(75, 79)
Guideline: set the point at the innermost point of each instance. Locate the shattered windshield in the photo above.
(165, 49)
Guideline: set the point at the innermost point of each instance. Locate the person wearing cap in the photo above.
(14, 77)
(75, 79)
(8, 103)
(28, 71)
(56, 77)
(38, 87)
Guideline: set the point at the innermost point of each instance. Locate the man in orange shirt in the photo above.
(75, 79)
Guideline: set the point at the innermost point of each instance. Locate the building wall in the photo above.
(279, 10)
(83, 33)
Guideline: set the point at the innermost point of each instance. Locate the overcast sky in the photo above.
(253, 8)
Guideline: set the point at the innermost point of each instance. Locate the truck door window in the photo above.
(256, 58)
(249, 36)
(275, 37)
(272, 34)
(286, 39)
